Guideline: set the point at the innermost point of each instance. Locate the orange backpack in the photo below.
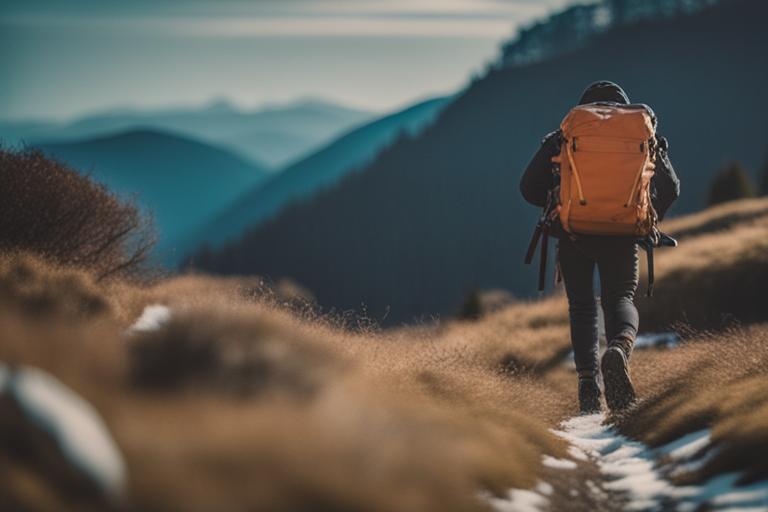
(606, 164)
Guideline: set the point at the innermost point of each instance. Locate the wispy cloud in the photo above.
(287, 18)
(333, 26)
(59, 58)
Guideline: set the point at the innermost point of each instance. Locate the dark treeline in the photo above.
(575, 26)
(321, 169)
(441, 214)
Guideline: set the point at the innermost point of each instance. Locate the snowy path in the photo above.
(629, 476)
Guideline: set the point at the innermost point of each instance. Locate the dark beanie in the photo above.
(604, 91)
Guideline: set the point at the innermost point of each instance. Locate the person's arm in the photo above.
(537, 178)
(666, 185)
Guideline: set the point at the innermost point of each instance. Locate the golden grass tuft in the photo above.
(243, 401)
(250, 399)
(717, 275)
(34, 288)
(719, 218)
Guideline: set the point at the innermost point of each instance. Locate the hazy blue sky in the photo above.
(60, 58)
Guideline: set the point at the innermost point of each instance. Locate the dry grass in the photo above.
(716, 381)
(28, 286)
(717, 276)
(278, 411)
(717, 218)
(715, 280)
(419, 417)
(248, 399)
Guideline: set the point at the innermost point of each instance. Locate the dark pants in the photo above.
(617, 262)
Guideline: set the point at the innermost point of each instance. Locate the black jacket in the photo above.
(537, 178)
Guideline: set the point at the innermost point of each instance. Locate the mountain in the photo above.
(321, 169)
(272, 136)
(181, 180)
(440, 214)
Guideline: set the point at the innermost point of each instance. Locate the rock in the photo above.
(59, 437)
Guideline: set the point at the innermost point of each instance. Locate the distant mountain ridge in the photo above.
(439, 215)
(180, 180)
(271, 136)
(320, 169)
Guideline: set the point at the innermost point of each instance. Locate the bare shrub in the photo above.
(730, 183)
(49, 209)
(472, 308)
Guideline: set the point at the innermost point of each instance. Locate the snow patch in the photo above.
(687, 446)
(71, 421)
(544, 488)
(552, 462)
(596, 490)
(755, 496)
(627, 464)
(644, 341)
(577, 453)
(632, 468)
(657, 340)
(152, 318)
(521, 500)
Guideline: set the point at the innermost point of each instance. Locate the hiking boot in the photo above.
(589, 395)
(619, 391)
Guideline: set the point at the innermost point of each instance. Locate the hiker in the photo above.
(605, 147)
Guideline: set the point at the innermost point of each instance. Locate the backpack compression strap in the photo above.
(543, 257)
(659, 239)
(651, 278)
(540, 233)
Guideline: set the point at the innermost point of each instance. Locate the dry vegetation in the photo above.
(713, 381)
(719, 378)
(249, 400)
(240, 403)
(51, 210)
(718, 275)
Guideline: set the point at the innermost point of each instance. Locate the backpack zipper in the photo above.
(639, 175)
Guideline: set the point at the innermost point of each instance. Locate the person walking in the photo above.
(606, 176)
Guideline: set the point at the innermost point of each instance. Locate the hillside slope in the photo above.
(321, 169)
(463, 416)
(436, 216)
(180, 180)
(714, 279)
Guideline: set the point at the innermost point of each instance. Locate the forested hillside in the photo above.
(322, 169)
(438, 215)
(581, 23)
